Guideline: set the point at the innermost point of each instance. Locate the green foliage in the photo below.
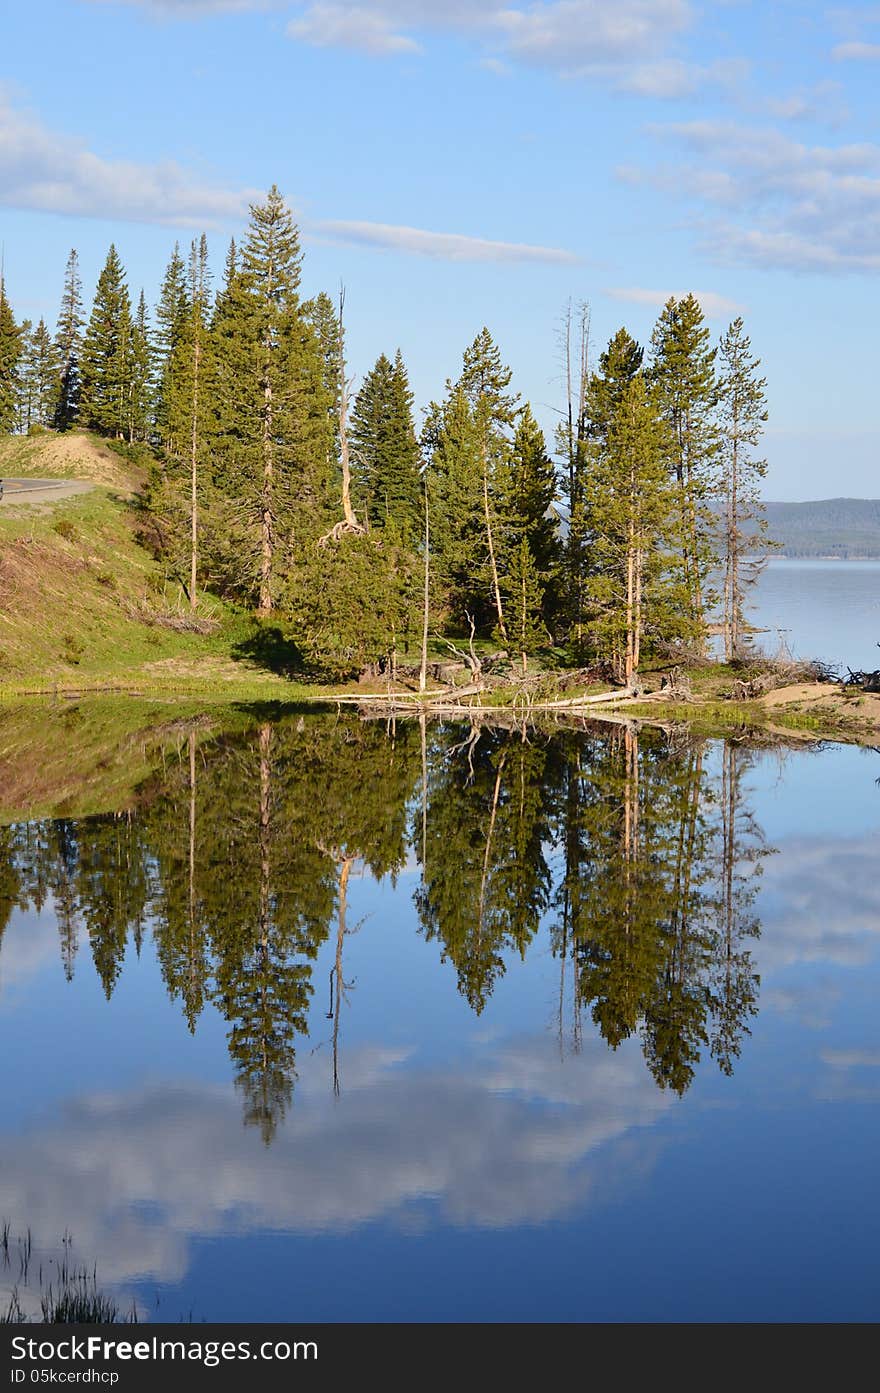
(352, 603)
(107, 354)
(743, 412)
(68, 347)
(37, 379)
(269, 433)
(10, 354)
(629, 504)
(385, 452)
(684, 378)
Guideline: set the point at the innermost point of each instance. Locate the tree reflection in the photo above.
(633, 857)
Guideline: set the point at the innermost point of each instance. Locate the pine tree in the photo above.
(270, 424)
(68, 346)
(139, 373)
(525, 592)
(106, 355)
(683, 372)
(24, 379)
(484, 380)
(386, 452)
(187, 407)
(38, 374)
(10, 355)
(322, 316)
(171, 314)
(618, 365)
(526, 492)
(459, 556)
(571, 448)
(629, 501)
(743, 411)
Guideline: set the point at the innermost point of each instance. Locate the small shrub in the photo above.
(72, 650)
(65, 528)
(106, 579)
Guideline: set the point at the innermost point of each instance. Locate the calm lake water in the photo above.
(822, 609)
(578, 1026)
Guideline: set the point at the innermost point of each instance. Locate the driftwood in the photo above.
(865, 681)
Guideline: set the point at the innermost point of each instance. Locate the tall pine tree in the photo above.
(106, 356)
(10, 355)
(270, 422)
(68, 346)
(683, 372)
(385, 451)
(743, 411)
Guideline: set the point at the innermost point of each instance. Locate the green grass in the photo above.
(84, 607)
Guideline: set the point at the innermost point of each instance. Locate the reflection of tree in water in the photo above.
(239, 856)
(655, 898)
(485, 877)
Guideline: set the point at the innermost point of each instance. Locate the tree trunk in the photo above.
(497, 588)
(267, 539)
(194, 476)
(423, 670)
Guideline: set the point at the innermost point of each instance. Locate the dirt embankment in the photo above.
(71, 455)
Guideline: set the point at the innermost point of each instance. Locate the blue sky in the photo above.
(476, 162)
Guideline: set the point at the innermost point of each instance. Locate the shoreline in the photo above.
(807, 711)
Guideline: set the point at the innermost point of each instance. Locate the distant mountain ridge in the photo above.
(848, 528)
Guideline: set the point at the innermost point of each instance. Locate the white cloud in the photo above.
(856, 52)
(788, 204)
(446, 246)
(714, 305)
(191, 9)
(53, 173)
(851, 1059)
(515, 1138)
(343, 26)
(573, 36)
(627, 42)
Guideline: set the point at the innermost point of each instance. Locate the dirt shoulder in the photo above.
(72, 455)
(29, 493)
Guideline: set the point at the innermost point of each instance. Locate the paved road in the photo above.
(18, 491)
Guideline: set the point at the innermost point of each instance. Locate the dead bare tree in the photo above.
(349, 524)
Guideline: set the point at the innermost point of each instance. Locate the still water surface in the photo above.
(820, 609)
(575, 1026)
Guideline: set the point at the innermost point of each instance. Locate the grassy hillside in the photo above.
(83, 606)
(837, 527)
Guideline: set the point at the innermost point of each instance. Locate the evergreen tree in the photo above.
(171, 314)
(270, 423)
(68, 346)
(10, 355)
(322, 317)
(743, 411)
(683, 372)
(139, 372)
(38, 374)
(484, 381)
(525, 595)
(107, 354)
(386, 452)
(352, 604)
(459, 557)
(619, 364)
(571, 448)
(530, 546)
(629, 503)
(24, 379)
